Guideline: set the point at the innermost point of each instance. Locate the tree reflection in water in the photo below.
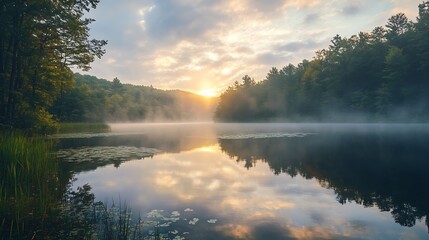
(387, 170)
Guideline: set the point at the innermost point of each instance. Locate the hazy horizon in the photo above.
(203, 47)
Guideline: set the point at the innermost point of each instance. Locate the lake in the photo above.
(261, 181)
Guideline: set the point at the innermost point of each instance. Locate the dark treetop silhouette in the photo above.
(383, 169)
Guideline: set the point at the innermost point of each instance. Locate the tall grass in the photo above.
(83, 127)
(28, 181)
(81, 217)
(36, 203)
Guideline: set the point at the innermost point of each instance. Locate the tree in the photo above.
(117, 86)
(388, 93)
(397, 25)
(248, 82)
(369, 74)
(422, 38)
(378, 35)
(39, 42)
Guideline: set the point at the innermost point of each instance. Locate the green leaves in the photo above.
(39, 42)
(381, 75)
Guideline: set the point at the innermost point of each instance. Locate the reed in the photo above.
(82, 217)
(28, 181)
(35, 202)
(83, 127)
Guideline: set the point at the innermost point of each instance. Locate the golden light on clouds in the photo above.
(160, 43)
(164, 61)
(208, 92)
(165, 181)
(226, 70)
(236, 230)
(208, 149)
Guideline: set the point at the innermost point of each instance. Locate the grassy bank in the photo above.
(83, 127)
(29, 182)
(37, 201)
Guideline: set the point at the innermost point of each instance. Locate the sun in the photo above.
(207, 92)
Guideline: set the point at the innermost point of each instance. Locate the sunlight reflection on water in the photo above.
(225, 187)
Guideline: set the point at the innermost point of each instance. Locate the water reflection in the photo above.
(87, 152)
(383, 169)
(372, 166)
(165, 137)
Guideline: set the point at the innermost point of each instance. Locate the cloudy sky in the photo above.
(203, 46)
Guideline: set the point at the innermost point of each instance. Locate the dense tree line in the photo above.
(94, 99)
(380, 75)
(39, 42)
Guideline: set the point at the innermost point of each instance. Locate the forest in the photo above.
(40, 41)
(41, 44)
(46, 178)
(99, 100)
(380, 75)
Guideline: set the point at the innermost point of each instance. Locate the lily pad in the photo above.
(105, 153)
(212, 221)
(265, 135)
(193, 221)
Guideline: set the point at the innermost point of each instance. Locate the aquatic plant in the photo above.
(36, 200)
(83, 127)
(80, 216)
(29, 182)
(104, 153)
(89, 158)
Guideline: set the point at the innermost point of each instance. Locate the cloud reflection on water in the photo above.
(248, 204)
(232, 180)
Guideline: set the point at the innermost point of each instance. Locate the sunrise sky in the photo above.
(203, 46)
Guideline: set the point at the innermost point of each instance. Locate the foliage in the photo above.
(29, 183)
(98, 100)
(81, 217)
(34, 202)
(39, 41)
(376, 76)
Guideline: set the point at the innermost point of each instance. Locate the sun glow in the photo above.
(207, 92)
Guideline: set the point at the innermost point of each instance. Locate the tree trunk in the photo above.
(15, 58)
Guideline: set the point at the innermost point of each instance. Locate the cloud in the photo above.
(298, 46)
(270, 230)
(170, 21)
(311, 18)
(244, 50)
(267, 6)
(351, 10)
(409, 7)
(195, 45)
(271, 59)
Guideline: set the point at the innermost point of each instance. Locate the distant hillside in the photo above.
(94, 99)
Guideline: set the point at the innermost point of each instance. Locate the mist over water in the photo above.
(267, 180)
(211, 129)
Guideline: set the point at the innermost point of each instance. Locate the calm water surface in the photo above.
(263, 181)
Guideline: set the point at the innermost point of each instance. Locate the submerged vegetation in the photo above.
(376, 76)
